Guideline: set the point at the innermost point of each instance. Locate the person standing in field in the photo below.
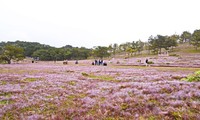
(146, 62)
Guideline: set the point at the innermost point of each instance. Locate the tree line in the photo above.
(40, 51)
(155, 44)
(18, 50)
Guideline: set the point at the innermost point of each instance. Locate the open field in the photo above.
(47, 90)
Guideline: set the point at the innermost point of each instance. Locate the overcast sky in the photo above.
(91, 23)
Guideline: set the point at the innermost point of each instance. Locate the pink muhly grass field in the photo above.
(55, 91)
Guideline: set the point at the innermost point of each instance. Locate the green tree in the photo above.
(185, 36)
(29, 47)
(159, 42)
(172, 41)
(139, 46)
(67, 54)
(130, 51)
(11, 52)
(101, 52)
(195, 41)
(115, 47)
(43, 54)
(84, 53)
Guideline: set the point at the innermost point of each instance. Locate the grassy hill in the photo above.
(186, 48)
(180, 50)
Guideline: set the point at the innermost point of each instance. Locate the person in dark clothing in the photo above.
(76, 62)
(95, 62)
(146, 62)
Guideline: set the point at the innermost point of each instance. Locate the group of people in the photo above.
(99, 62)
(103, 63)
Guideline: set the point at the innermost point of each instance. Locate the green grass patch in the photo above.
(73, 83)
(69, 102)
(31, 79)
(6, 94)
(102, 99)
(192, 50)
(153, 101)
(175, 55)
(71, 97)
(193, 78)
(93, 110)
(6, 102)
(85, 74)
(150, 62)
(14, 81)
(8, 116)
(152, 118)
(177, 115)
(35, 108)
(3, 83)
(101, 77)
(81, 95)
(124, 106)
(49, 109)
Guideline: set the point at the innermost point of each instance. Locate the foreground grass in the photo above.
(82, 92)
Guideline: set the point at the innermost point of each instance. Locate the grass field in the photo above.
(46, 90)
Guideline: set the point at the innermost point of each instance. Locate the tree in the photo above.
(43, 54)
(185, 36)
(157, 43)
(172, 41)
(195, 41)
(139, 46)
(29, 47)
(84, 53)
(115, 47)
(101, 52)
(130, 50)
(11, 52)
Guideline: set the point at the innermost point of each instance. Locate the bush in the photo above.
(150, 62)
(85, 74)
(193, 78)
(175, 55)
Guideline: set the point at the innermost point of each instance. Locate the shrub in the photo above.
(85, 74)
(150, 62)
(175, 55)
(193, 78)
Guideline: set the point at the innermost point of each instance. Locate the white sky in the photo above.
(91, 23)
